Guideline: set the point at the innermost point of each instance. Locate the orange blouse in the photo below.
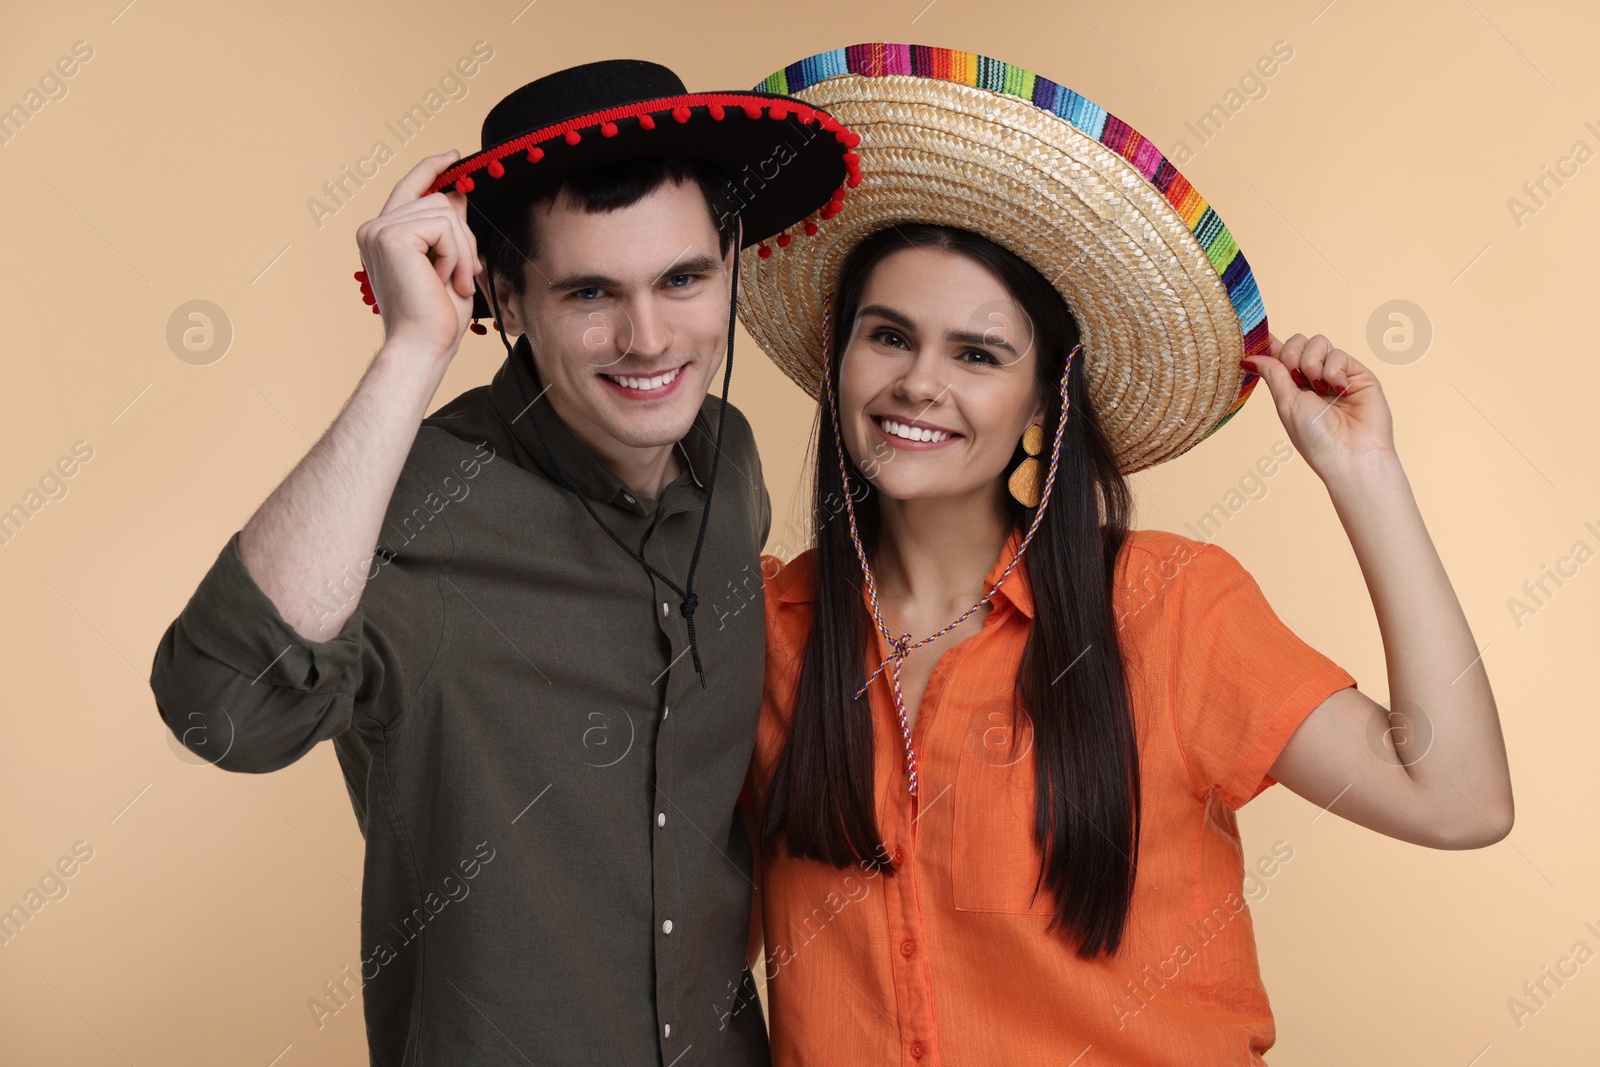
(949, 962)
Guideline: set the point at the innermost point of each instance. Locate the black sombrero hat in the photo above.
(785, 160)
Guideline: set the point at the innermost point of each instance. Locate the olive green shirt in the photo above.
(555, 872)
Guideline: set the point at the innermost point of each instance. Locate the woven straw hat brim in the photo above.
(1162, 337)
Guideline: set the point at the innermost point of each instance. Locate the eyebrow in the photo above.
(959, 337)
(700, 263)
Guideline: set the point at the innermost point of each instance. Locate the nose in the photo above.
(924, 379)
(646, 333)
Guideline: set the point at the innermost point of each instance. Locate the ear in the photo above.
(510, 305)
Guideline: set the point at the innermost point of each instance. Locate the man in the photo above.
(542, 741)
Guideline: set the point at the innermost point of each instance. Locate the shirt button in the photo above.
(907, 948)
(665, 711)
(661, 818)
(666, 927)
(629, 498)
(666, 1031)
(916, 1050)
(896, 856)
(666, 609)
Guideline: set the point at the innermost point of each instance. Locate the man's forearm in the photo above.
(321, 523)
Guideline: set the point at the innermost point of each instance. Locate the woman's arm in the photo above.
(1432, 769)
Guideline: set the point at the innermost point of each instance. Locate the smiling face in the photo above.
(938, 380)
(627, 313)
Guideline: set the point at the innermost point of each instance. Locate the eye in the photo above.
(888, 337)
(978, 356)
(592, 292)
(682, 281)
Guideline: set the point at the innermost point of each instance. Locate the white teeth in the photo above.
(911, 433)
(645, 383)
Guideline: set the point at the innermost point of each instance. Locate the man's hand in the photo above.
(420, 258)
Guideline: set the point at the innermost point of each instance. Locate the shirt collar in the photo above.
(1017, 590)
(798, 583)
(592, 477)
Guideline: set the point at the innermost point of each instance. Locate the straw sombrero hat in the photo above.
(1165, 302)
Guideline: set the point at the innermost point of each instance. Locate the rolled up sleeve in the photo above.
(1243, 681)
(240, 687)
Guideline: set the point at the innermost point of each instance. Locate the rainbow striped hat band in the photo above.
(1165, 302)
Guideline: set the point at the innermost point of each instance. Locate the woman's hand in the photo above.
(1332, 405)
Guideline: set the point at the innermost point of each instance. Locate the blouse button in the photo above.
(907, 948)
(916, 1050)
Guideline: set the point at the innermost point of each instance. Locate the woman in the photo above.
(1003, 735)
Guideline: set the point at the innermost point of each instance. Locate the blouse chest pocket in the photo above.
(995, 860)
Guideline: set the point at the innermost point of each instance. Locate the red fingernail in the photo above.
(1322, 386)
(1247, 365)
(1299, 379)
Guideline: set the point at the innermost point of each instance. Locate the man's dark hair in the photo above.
(513, 241)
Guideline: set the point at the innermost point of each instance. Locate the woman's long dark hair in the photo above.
(1071, 681)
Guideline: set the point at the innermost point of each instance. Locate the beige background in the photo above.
(1377, 164)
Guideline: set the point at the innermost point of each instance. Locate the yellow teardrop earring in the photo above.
(1024, 482)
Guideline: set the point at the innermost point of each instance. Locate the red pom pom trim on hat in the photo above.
(763, 251)
(717, 106)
